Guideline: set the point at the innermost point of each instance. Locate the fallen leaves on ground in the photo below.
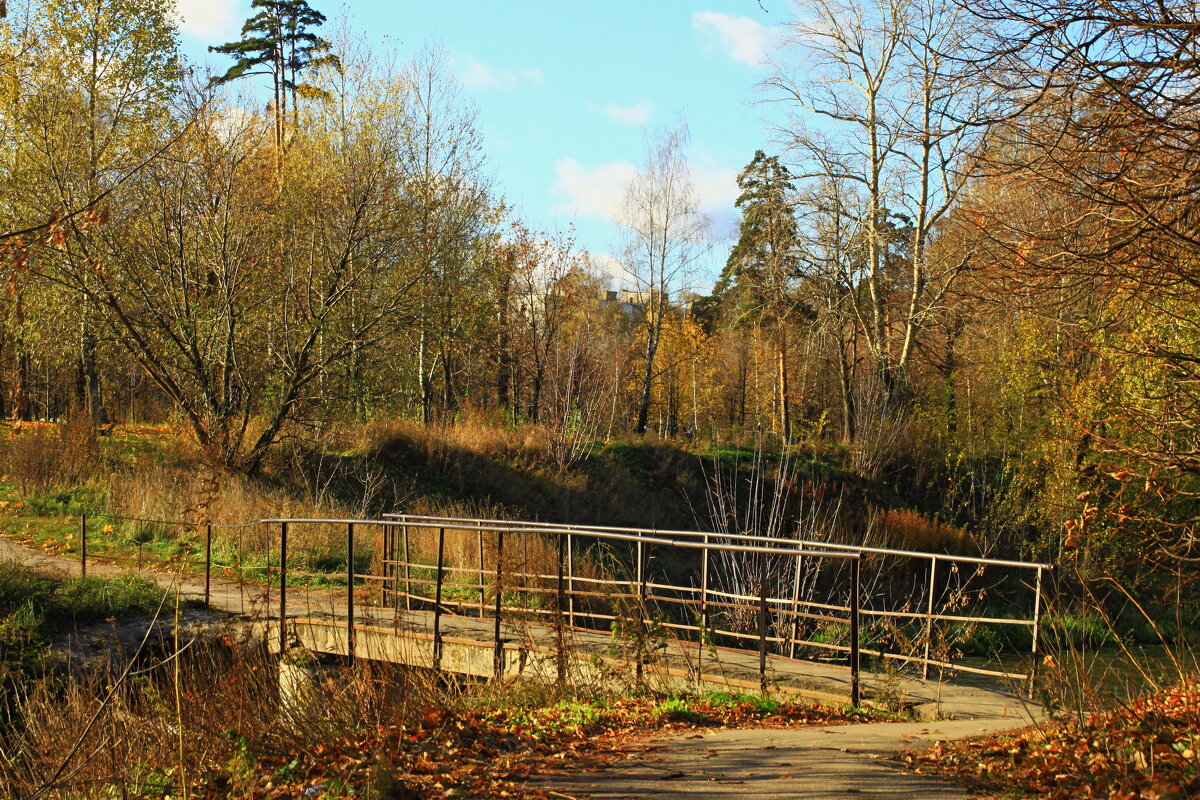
(491, 753)
(1147, 749)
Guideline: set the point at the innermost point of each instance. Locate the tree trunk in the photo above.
(846, 387)
(423, 388)
(504, 358)
(448, 399)
(89, 373)
(22, 408)
(785, 417)
(643, 416)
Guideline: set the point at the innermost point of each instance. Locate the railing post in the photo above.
(394, 575)
(385, 552)
(855, 607)
(558, 615)
(641, 608)
(570, 581)
(1037, 621)
(704, 621)
(498, 653)
(283, 531)
(929, 617)
(795, 626)
(482, 588)
(407, 575)
(525, 572)
(267, 566)
(350, 632)
(641, 579)
(762, 632)
(207, 566)
(437, 603)
(83, 545)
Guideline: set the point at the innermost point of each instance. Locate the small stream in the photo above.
(1105, 673)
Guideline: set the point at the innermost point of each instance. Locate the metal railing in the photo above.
(207, 530)
(576, 597)
(595, 577)
(928, 619)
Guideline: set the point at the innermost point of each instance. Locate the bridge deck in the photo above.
(530, 648)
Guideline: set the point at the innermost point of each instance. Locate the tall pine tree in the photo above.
(279, 41)
(757, 285)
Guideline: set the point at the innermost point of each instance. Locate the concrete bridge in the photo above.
(496, 599)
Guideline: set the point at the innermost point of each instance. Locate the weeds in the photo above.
(363, 731)
(62, 601)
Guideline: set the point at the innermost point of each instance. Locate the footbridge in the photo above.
(496, 599)
(499, 598)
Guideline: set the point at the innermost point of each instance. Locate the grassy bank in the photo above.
(35, 605)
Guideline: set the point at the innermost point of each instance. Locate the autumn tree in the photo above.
(879, 102)
(536, 305)
(453, 219)
(1087, 218)
(97, 80)
(237, 299)
(664, 237)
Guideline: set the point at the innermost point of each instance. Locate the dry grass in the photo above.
(531, 444)
(38, 457)
(906, 529)
(224, 703)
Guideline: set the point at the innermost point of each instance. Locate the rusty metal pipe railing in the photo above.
(787, 547)
(640, 586)
(595, 529)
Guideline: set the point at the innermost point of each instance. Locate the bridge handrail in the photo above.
(624, 537)
(592, 530)
(565, 592)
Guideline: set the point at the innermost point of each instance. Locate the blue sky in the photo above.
(567, 91)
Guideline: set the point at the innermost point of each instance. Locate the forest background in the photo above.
(965, 280)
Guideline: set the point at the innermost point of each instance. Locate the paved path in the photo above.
(826, 763)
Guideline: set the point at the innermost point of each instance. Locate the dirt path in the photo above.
(830, 763)
(225, 596)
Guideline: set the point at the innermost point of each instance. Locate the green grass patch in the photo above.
(65, 502)
(678, 709)
(35, 605)
(59, 602)
(763, 705)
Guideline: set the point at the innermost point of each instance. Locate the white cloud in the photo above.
(592, 191)
(634, 115)
(716, 186)
(741, 38)
(234, 122)
(480, 76)
(598, 191)
(207, 19)
(607, 265)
